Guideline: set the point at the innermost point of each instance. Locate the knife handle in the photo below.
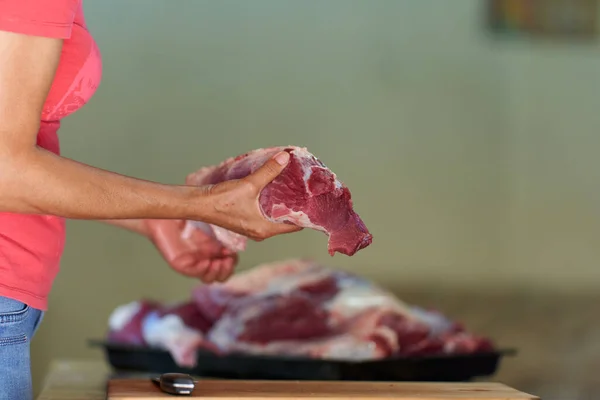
(175, 383)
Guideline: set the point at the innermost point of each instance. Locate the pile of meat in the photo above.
(294, 307)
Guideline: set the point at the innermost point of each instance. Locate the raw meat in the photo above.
(306, 309)
(294, 308)
(306, 194)
(125, 322)
(177, 328)
(283, 279)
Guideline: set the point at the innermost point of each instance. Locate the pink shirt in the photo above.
(31, 246)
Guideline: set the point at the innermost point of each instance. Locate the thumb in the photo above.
(270, 170)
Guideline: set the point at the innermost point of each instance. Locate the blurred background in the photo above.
(472, 156)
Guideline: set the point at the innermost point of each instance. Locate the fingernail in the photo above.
(282, 158)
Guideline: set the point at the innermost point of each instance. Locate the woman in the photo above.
(50, 67)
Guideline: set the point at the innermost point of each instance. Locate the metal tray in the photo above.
(444, 368)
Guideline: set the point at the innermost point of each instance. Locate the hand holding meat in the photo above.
(303, 193)
(235, 204)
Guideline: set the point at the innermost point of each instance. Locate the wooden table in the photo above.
(75, 380)
(87, 380)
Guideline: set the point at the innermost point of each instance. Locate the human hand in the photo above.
(234, 203)
(192, 252)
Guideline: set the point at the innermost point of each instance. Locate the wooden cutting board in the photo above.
(126, 389)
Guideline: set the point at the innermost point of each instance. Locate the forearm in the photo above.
(40, 182)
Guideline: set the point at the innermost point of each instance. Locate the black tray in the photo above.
(454, 368)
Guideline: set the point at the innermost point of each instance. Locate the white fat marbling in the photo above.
(122, 315)
(296, 217)
(163, 331)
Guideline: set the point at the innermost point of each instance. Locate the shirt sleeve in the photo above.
(48, 18)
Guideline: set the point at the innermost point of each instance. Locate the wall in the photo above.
(554, 164)
(454, 148)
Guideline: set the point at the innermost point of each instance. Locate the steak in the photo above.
(306, 194)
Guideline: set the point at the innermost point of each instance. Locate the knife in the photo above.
(175, 383)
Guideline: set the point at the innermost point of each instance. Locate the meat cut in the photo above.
(126, 321)
(293, 308)
(306, 194)
(178, 328)
(301, 308)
